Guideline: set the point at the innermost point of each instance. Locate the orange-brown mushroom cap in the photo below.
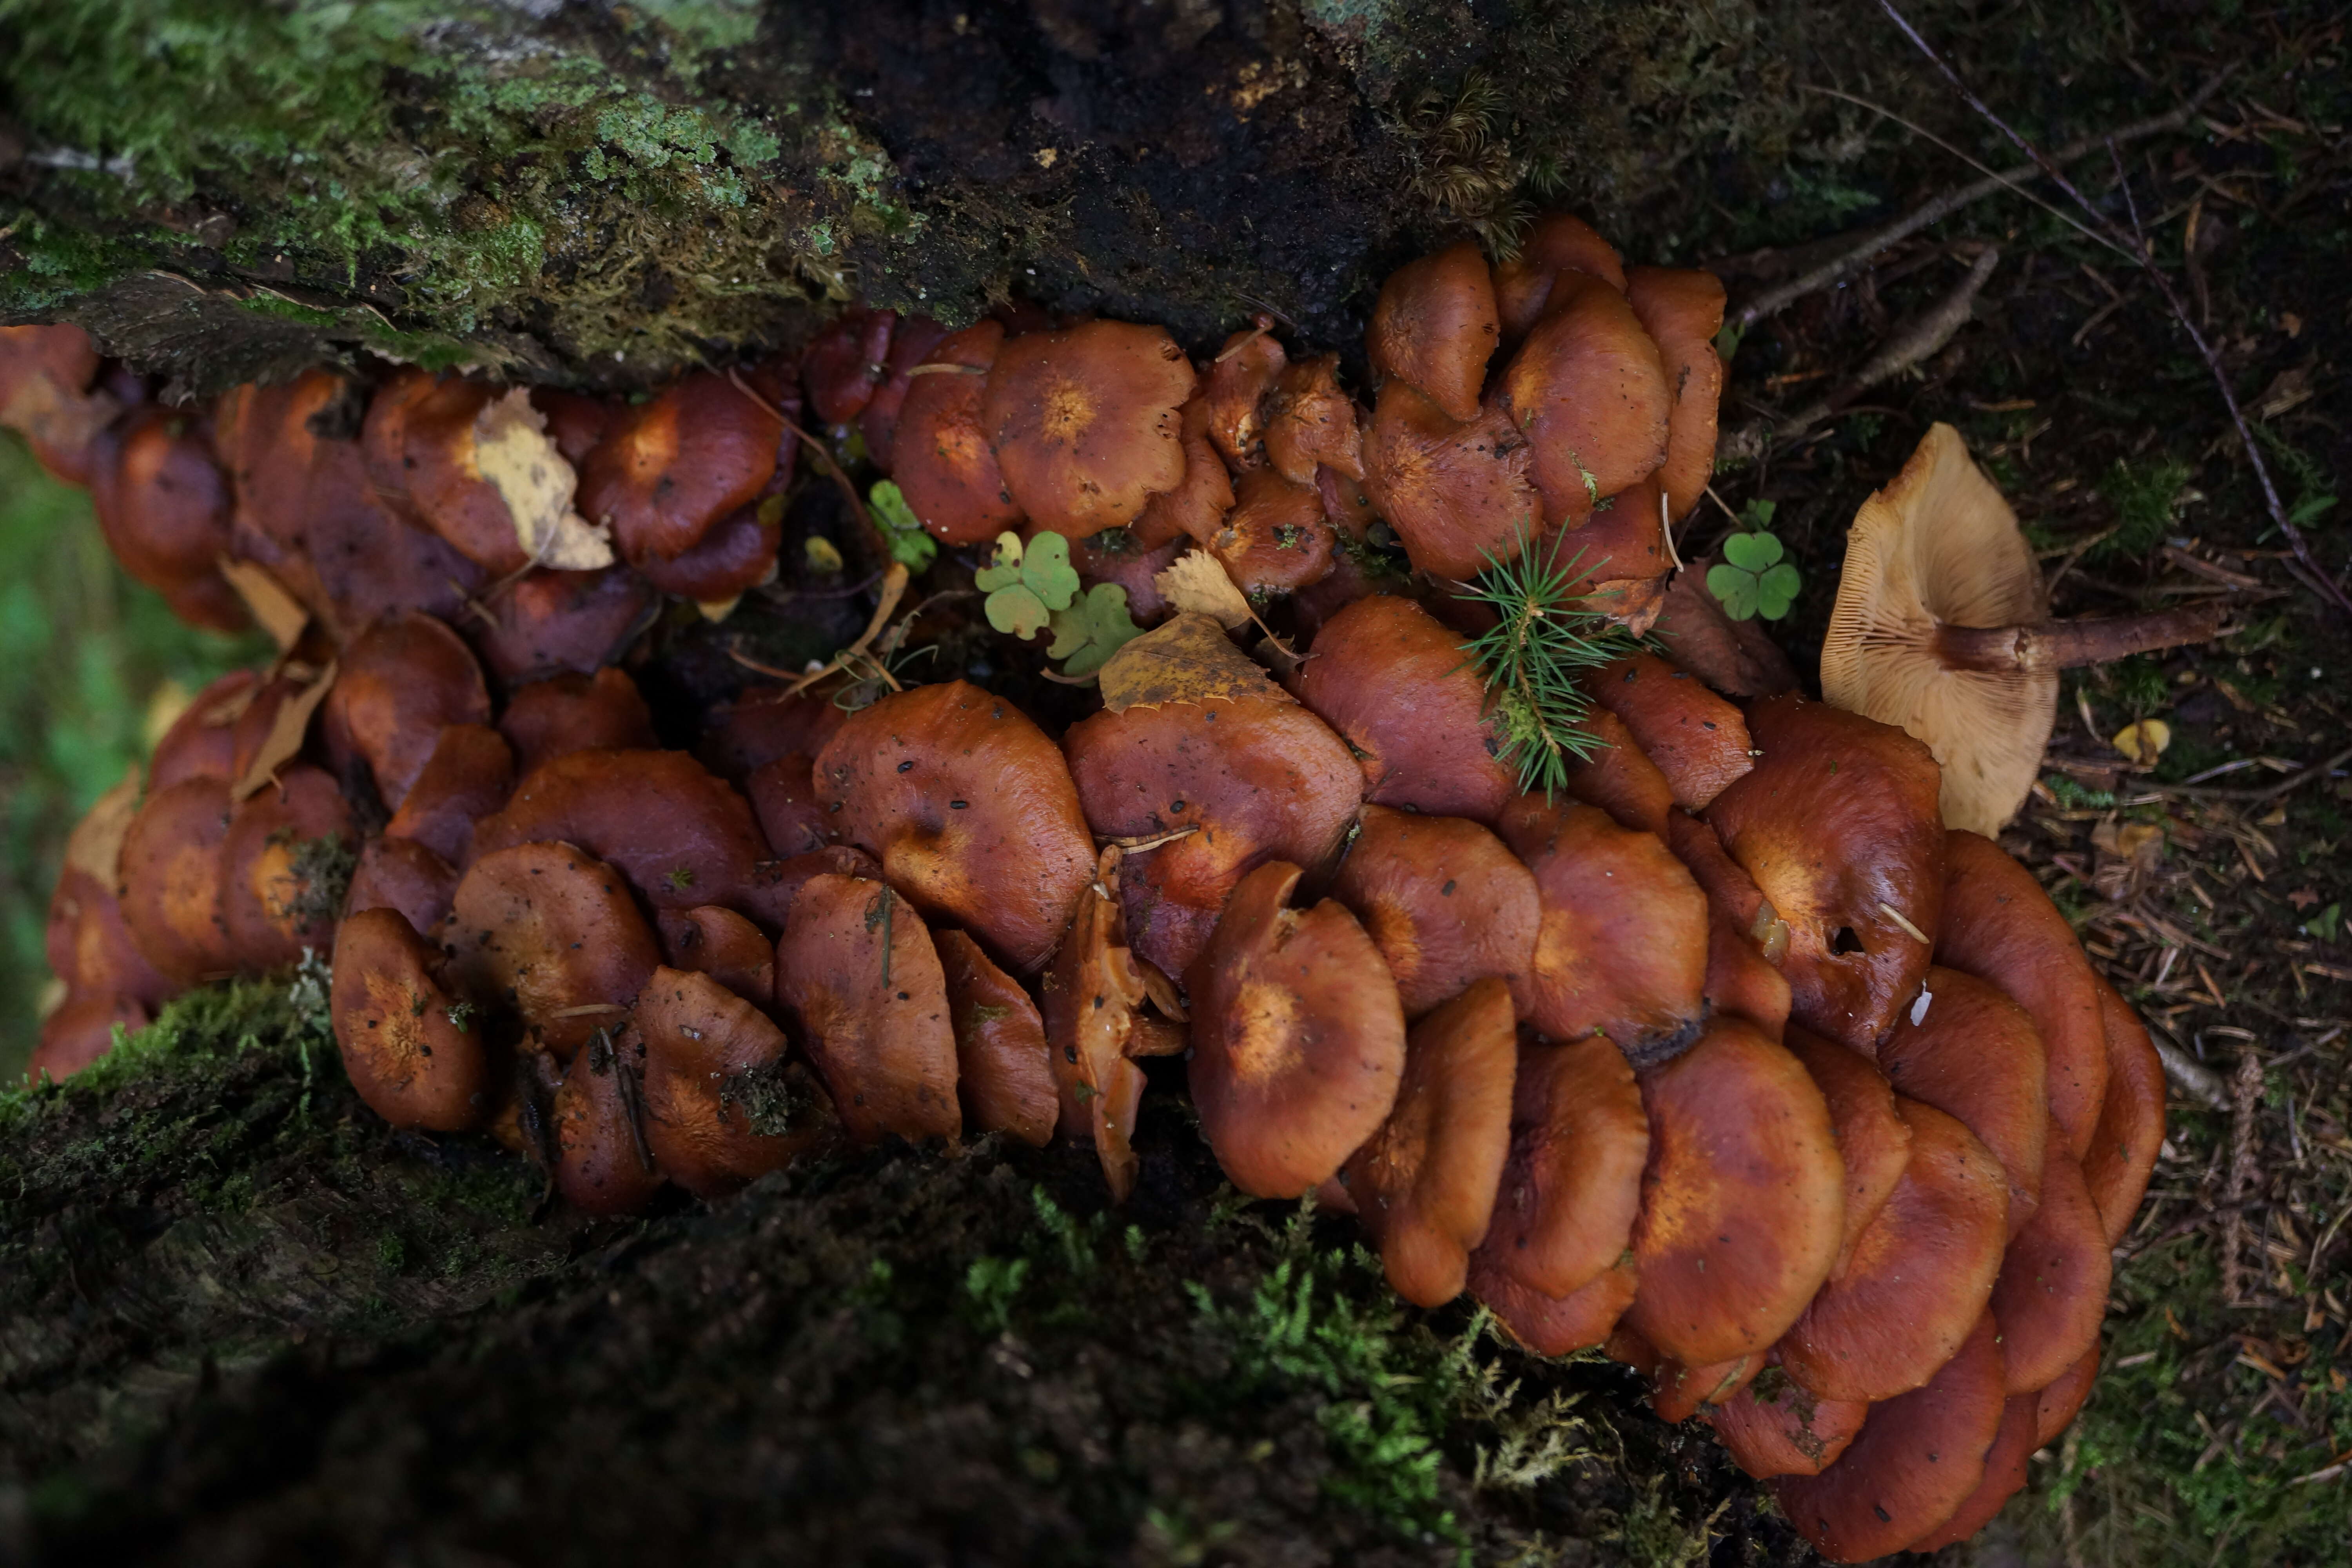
(544, 622)
(1443, 899)
(1998, 924)
(702, 1044)
(943, 462)
(1094, 996)
(1618, 778)
(1434, 327)
(1235, 390)
(1920, 1273)
(164, 503)
(2008, 1466)
(397, 685)
(284, 866)
(1399, 686)
(1778, 1426)
(1682, 309)
(2056, 1406)
(1311, 424)
(1197, 505)
(1003, 1073)
(1837, 825)
(2052, 1290)
(469, 775)
(1274, 537)
(1917, 1459)
(1743, 1200)
(2131, 1120)
(1298, 1037)
(172, 870)
(1571, 1189)
(201, 742)
(574, 712)
(1590, 393)
(79, 1031)
(1553, 1326)
(845, 362)
(402, 874)
(724, 945)
(910, 345)
(603, 1163)
(1972, 1052)
(1560, 243)
(669, 468)
(412, 1054)
(1083, 422)
(1424, 1184)
(1460, 493)
(1745, 938)
(681, 837)
(1695, 738)
(419, 444)
(550, 932)
(1873, 1140)
(858, 970)
(970, 810)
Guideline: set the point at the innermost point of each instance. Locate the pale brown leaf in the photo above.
(514, 453)
(1197, 584)
(288, 727)
(275, 610)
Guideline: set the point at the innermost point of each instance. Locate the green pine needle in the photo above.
(1546, 637)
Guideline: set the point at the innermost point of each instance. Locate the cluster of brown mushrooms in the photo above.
(1731, 1057)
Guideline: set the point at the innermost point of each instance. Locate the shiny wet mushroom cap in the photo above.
(1589, 391)
(2053, 1291)
(944, 464)
(1776, 1426)
(469, 775)
(1094, 996)
(1434, 327)
(415, 1052)
(570, 711)
(1972, 1053)
(171, 874)
(1682, 309)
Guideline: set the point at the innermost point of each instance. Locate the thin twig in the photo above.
(2324, 580)
(2287, 786)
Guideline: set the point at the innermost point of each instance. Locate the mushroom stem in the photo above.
(2063, 645)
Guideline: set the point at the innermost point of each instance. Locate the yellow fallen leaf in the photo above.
(288, 727)
(95, 845)
(1196, 582)
(274, 609)
(514, 453)
(1186, 659)
(2144, 741)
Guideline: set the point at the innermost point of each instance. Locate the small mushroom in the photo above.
(418, 443)
(670, 467)
(1195, 509)
(1682, 309)
(1461, 494)
(679, 836)
(468, 777)
(575, 420)
(1424, 1184)
(1399, 685)
(402, 874)
(1552, 1326)
(2130, 1130)
(1697, 739)
(575, 712)
(1620, 556)
(1560, 243)
(1743, 1200)
(411, 1050)
(1004, 1074)
(910, 344)
(1873, 1140)
(1443, 900)
(736, 555)
(1778, 1426)
(790, 808)
(603, 1164)
(201, 742)
(1919, 1276)
(846, 361)
(546, 622)
(163, 505)
(1310, 423)
(723, 944)
(87, 944)
(1589, 391)
(1998, 924)
(1094, 996)
(285, 867)
(1083, 422)
(1234, 390)
(550, 931)
(1571, 1188)
(1298, 1037)
(2052, 1290)
(1274, 537)
(944, 463)
(397, 684)
(1622, 949)
(172, 869)
(1972, 1053)
(1619, 778)
(1837, 825)
(1677, 1391)
(970, 810)
(762, 724)
(2056, 1406)
(1434, 327)
(79, 1031)
(1941, 628)
(768, 892)
(2008, 1466)
(705, 1049)
(859, 971)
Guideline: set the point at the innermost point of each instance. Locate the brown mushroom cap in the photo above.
(1094, 994)
(1873, 1140)
(845, 362)
(1998, 925)
(1311, 424)
(1618, 778)
(545, 622)
(2008, 1467)
(1461, 494)
(1920, 1275)
(575, 712)
(1234, 392)
(2131, 1119)
(1003, 1074)
(1677, 1391)
(761, 724)
(91, 949)
(603, 1164)
(1443, 899)
(1623, 947)
(768, 892)
(550, 931)
(1972, 1052)
(1744, 936)
(1778, 1426)
(1083, 422)
(858, 970)
(702, 1042)
(44, 376)
(790, 808)
(283, 868)
(944, 463)
(398, 683)
(1274, 537)
(79, 1031)
(171, 874)
(1560, 242)
(970, 810)
(1622, 555)
(2052, 1290)
(164, 503)
(413, 1057)
(1434, 327)
(1738, 658)
(669, 468)
(680, 836)
(1204, 741)
(469, 775)
(1682, 309)
(201, 742)
(722, 945)
(1571, 1185)
(1695, 738)
(737, 555)
(1424, 1184)
(419, 446)
(1119, 556)
(575, 420)
(1590, 393)
(1196, 507)
(402, 874)
(1400, 687)
(1298, 1037)
(1743, 1200)
(1837, 825)
(2056, 1406)
(910, 345)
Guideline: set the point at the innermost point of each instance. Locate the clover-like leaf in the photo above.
(1003, 571)
(1736, 590)
(1776, 590)
(1046, 570)
(1751, 551)
(907, 543)
(1092, 629)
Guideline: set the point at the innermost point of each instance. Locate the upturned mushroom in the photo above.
(1445, 902)
(409, 1043)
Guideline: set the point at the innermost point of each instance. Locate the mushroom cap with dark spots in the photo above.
(1197, 505)
(2131, 1119)
(1445, 902)
(164, 503)
(723, 944)
(1274, 538)
(397, 686)
(910, 345)
(549, 933)
(1776, 1426)
(1083, 422)
(1552, 1326)
(172, 871)
(2053, 1291)
(283, 868)
(408, 1047)
(970, 810)
(1918, 1458)
(679, 836)
(1837, 824)
(468, 777)
(1920, 1273)
(201, 742)
(1697, 739)
(859, 971)
(1571, 1188)
(545, 622)
(1970, 1052)
(1298, 1037)
(1425, 1183)
(79, 1031)
(702, 1042)
(603, 1164)
(571, 712)
(1003, 1073)
(1560, 243)
(1589, 391)
(402, 874)
(942, 459)
(1434, 327)
(1873, 1140)
(418, 443)
(1622, 949)
(1996, 922)
(2008, 1467)
(672, 467)
(1743, 1201)
(1461, 494)
(1311, 424)
(1682, 309)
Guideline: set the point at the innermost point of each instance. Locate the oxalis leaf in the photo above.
(1092, 629)
(909, 544)
(1024, 586)
(1752, 580)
